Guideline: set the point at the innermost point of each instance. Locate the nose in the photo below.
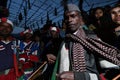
(69, 19)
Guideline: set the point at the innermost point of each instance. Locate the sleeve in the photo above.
(107, 64)
(85, 76)
(23, 57)
(81, 76)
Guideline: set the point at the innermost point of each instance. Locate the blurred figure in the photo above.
(28, 53)
(95, 16)
(112, 70)
(115, 18)
(102, 22)
(51, 50)
(8, 60)
(37, 37)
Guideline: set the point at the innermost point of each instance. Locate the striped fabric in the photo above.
(78, 57)
(98, 47)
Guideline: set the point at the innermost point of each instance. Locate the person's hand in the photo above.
(51, 58)
(20, 65)
(67, 75)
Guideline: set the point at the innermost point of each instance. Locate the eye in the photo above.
(73, 16)
(113, 12)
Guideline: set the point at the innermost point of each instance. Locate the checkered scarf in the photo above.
(98, 47)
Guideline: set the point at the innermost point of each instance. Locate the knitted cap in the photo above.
(26, 31)
(72, 7)
(7, 21)
(53, 28)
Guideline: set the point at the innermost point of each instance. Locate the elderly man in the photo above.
(78, 53)
(8, 61)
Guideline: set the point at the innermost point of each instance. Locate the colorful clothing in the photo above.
(8, 63)
(28, 56)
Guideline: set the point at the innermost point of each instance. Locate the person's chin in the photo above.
(118, 22)
(72, 30)
(71, 26)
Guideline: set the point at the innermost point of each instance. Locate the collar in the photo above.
(27, 41)
(10, 38)
(77, 30)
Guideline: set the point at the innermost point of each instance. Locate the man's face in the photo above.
(5, 29)
(115, 15)
(72, 20)
(28, 36)
(54, 34)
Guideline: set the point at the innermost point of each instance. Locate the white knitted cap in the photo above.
(72, 7)
(53, 29)
(28, 31)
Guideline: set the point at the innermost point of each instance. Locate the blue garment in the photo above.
(6, 56)
(32, 46)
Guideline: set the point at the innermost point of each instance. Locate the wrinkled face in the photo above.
(73, 21)
(98, 13)
(115, 15)
(5, 29)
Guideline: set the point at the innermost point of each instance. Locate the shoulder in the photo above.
(90, 34)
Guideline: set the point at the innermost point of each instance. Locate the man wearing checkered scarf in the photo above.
(78, 53)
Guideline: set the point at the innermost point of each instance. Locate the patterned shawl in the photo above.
(98, 47)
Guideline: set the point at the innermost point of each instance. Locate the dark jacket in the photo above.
(89, 57)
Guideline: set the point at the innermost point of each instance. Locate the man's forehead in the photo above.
(114, 10)
(71, 13)
(115, 7)
(5, 24)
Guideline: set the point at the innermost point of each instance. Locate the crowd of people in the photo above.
(89, 50)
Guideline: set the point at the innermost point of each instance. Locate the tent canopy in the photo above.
(35, 13)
